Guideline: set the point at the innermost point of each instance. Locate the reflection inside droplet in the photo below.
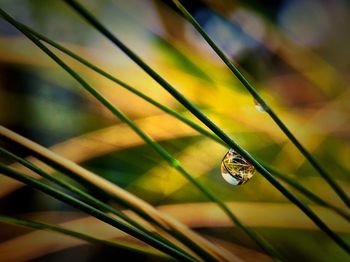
(258, 106)
(235, 169)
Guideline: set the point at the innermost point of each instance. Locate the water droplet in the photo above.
(258, 106)
(235, 169)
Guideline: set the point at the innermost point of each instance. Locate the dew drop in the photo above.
(235, 169)
(258, 106)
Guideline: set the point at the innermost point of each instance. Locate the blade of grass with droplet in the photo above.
(192, 108)
(102, 141)
(159, 149)
(85, 237)
(182, 118)
(179, 116)
(262, 103)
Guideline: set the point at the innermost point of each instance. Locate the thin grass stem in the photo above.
(82, 236)
(292, 182)
(204, 119)
(122, 84)
(306, 192)
(153, 144)
(312, 160)
(188, 237)
(87, 197)
(93, 212)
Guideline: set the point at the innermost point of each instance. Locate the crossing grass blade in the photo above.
(178, 230)
(262, 243)
(85, 196)
(93, 211)
(205, 120)
(85, 237)
(307, 193)
(292, 182)
(312, 160)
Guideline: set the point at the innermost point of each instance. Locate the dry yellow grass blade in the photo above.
(104, 141)
(163, 219)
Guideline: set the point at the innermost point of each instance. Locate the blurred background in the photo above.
(294, 52)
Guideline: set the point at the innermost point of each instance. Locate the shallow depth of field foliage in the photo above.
(115, 122)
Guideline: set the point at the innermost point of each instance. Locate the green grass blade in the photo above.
(259, 240)
(158, 148)
(87, 197)
(306, 192)
(93, 212)
(88, 238)
(199, 246)
(123, 84)
(221, 134)
(66, 185)
(316, 165)
(292, 182)
(115, 111)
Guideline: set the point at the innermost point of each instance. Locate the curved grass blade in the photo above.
(204, 119)
(92, 201)
(157, 147)
(94, 212)
(120, 195)
(104, 141)
(88, 238)
(87, 197)
(160, 150)
(31, 250)
(312, 160)
(292, 182)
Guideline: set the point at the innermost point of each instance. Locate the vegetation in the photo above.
(150, 168)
